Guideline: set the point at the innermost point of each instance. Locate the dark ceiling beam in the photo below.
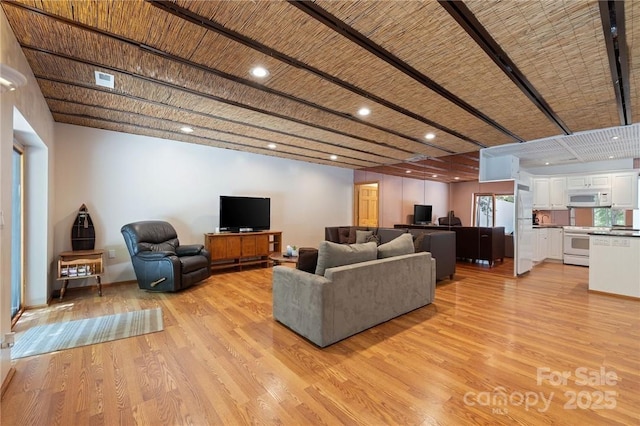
(467, 20)
(613, 27)
(230, 77)
(188, 111)
(184, 138)
(213, 97)
(187, 15)
(195, 127)
(315, 11)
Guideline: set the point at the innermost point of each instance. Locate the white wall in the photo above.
(398, 195)
(124, 178)
(26, 111)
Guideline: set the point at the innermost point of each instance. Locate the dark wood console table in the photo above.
(475, 243)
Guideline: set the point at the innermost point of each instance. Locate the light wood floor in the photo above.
(472, 357)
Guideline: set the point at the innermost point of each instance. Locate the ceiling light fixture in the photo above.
(615, 138)
(10, 79)
(272, 146)
(334, 157)
(186, 129)
(546, 163)
(435, 176)
(364, 111)
(456, 178)
(408, 171)
(259, 72)
(430, 136)
(610, 157)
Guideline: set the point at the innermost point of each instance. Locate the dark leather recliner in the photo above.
(159, 261)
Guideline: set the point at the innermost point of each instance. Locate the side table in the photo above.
(279, 258)
(73, 265)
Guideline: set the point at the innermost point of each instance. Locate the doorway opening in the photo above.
(17, 234)
(366, 204)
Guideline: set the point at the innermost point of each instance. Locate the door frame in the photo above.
(356, 199)
(21, 151)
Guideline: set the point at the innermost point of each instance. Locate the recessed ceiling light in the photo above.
(334, 157)
(272, 146)
(615, 138)
(259, 72)
(456, 178)
(408, 171)
(364, 111)
(546, 163)
(434, 176)
(611, 156)
(186, 129)
(430, 136)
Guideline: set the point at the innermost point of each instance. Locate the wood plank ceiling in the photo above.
(473, 74)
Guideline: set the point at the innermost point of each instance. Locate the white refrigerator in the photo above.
(523, 250)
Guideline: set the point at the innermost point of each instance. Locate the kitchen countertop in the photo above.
(635, 234)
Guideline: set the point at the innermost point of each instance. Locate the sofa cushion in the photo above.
(396, 247)
(361, 236)
(418, 241)
(307, 259)
(332, 254)
(388, 234)
(373, 237)
(347, 235)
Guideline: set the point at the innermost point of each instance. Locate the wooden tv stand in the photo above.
(229, 250)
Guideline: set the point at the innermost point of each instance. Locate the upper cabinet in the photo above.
(549, 193)
(589, 182)
(624, 191)
(541, 193)
(557, 193)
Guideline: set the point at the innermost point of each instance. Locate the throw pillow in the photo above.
(346, 235)
(361, 236)
(396, 247)
(307, 259)
(375, 238)
(417, 242)
(332, 254)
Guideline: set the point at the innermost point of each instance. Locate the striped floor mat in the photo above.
(65, 335)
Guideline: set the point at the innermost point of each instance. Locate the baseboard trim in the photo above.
(7, 381)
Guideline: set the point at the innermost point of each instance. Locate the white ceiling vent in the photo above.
(104, 79)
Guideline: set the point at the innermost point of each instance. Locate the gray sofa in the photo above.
(440, 243)
(351, 298)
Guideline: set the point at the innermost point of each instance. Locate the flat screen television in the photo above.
(244, 213)
(422, 214)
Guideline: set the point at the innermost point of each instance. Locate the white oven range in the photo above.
(576, 244)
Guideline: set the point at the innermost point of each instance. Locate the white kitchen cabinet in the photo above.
(558, 193)
(589, 182)
(624, 191)
(540, 244)
(541, 193)
(555, 240)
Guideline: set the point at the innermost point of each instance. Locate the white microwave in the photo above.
(588, 198)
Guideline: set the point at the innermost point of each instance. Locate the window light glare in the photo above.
(430, 136)
(186, 129)
(334, 157)
(272, 146)
(364, 111)
(259, 72)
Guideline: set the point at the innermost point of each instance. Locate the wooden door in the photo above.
(367, 207)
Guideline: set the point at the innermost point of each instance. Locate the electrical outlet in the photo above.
(8, 340)
(112, 254)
